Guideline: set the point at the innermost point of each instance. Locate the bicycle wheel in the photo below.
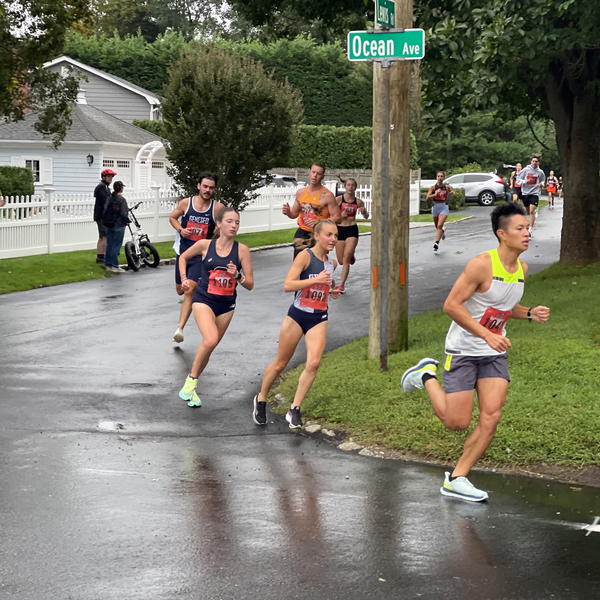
(133, 260)
(149, 254)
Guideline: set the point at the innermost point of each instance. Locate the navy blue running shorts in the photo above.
(219, 308)
(305, 319)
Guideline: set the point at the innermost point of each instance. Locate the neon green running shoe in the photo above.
(194, 401)
(189, 388)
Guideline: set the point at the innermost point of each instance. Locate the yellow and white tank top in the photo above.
(311, 210)
(491, 309)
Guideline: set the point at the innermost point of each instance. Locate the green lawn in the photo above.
(553, 409)
(42, 270)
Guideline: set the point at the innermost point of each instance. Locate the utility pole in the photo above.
(388, 323)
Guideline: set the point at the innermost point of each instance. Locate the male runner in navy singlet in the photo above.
(193, 219)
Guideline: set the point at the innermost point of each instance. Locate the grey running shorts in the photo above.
(440, 208)
(462, 372)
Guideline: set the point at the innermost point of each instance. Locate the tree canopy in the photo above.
(31, 32)
(224, 114)
(540, 57)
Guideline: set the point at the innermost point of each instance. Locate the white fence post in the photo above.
(49, 192)
(156, 191)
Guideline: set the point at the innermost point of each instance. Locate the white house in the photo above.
(94, 141)
(116, 96)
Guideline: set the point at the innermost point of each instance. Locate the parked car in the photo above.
(276, 180)
(484, 188)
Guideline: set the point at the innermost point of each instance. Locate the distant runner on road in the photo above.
(439, 194)
(193, 219)
(311, 279)
(224, 263)
(481, 301)
(348, 229)
(313, 203)
(532, 179)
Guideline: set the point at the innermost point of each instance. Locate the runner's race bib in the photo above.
(349, 209)
(495, 320)
(199, 231)
(532, 179)
(221, 283)
(315, 296)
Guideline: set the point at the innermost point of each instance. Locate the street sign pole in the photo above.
(388, 324)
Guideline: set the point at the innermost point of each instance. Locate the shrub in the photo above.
(223, 113)
(338, 147)
(16, 181)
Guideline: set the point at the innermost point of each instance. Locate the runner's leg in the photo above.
(289, 336)
(186, 306)
(439, 224)
(491, 394)
(212, 330)
(453, 410)
(315, 340)
(349, 250)
(532, 215)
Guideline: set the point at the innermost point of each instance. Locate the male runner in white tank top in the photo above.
(483, 298)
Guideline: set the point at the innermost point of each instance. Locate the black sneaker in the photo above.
(435, 246)
(259, 414)
(293, 418)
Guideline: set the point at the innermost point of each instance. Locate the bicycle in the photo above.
(139, 251)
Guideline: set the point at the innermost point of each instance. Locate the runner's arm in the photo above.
(199, 247)
(291, 282)
(476, 273)
(292, 211)
(540, 313)
(362, 208)
(174, 217)
(247, 278)
(334, 210)
(431, 193)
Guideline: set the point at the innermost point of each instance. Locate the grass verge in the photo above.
(42, 270)
(426, 218)
(552, 415)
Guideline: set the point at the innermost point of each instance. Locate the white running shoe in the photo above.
(462, 488)
(412, 379)
(178, 335)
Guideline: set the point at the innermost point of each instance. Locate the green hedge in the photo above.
(338, 147)
(16, 181)
(335, 147)
(456, 203)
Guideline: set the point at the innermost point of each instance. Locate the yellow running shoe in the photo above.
(189, 388)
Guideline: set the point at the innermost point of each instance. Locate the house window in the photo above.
(34, 165)
(158, 164)
(108, 162)
(123, 164)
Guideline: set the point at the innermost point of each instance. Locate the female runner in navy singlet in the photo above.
(225, 263)
(311, 278)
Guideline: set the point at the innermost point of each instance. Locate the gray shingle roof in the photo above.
(88, 124)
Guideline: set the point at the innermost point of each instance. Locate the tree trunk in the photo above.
(578, 140)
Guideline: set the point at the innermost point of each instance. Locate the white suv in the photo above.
(484, 188)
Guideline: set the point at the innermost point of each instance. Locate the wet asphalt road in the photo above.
(182, 503)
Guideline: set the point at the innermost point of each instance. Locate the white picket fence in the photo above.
(52, 222)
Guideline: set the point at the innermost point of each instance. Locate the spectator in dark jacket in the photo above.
(116, 217)
(101, 196)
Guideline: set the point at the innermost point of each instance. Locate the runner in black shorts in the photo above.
(225, 263)
(482, 300)
(310, 277)
(348, 229)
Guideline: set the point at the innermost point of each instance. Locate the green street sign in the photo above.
(407, 44)
(385, 13)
